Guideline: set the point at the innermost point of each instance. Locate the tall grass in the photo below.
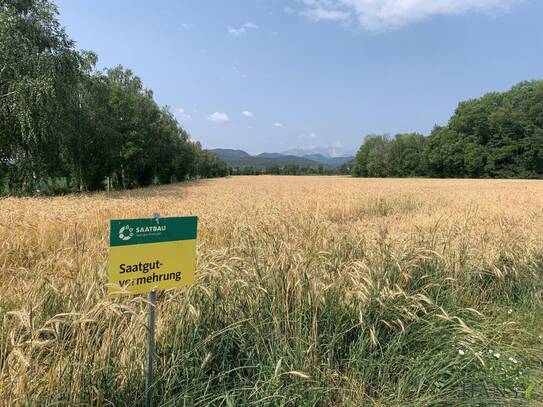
(310, 291)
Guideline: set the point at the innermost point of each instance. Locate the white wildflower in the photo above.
(510, 311)
(497, 355)
(513, 360)
(461, 352)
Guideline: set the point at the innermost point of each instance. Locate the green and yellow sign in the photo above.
(147, 254)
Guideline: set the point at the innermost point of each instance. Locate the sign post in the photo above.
(147, 255)
(150, 348)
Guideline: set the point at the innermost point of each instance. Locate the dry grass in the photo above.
(311, 291)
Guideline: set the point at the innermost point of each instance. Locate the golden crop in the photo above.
(270, 249)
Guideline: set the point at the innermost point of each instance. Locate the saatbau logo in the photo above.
(127, 233)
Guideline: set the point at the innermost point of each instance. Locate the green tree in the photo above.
(372, 160)
(63, 121)
(405, 155)
(39, 73)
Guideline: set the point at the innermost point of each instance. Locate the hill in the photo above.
(329, 161)
(227, 154)
(329, 152)
(240, 158)
(270, 155)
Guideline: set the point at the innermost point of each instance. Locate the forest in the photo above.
(66, 126)
(293, 169)
(499, 135)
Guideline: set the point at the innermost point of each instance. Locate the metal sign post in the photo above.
(150, 347)
(150, 338)
(146, 255)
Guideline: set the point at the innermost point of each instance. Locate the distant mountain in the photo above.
(319, 158)
(239, 158)
(329, 152)
(226, 154)
(270, 155)
(329, 161)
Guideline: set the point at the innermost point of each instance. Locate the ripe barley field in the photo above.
(311, 291)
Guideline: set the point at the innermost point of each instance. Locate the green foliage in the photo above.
(499, 135)
(381, 156)
(66, 127)
(241, 163)
(291, 169)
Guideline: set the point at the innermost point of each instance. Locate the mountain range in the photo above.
(329, 152)
(301, 157)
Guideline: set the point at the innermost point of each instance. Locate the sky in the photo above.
(270, 75)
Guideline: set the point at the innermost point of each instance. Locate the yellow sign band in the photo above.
(140, 268)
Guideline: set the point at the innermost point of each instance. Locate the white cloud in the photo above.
(289, 10)
(380, 15)
(246, 113)
(186, 26)
(218, 117)
(236, 32)
(250, 25)
(277, 124)
(323, 14)
(182, 115)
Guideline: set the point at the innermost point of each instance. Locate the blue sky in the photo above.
(269, 75)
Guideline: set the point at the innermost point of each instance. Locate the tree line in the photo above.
(292, 169)
(499, 135)
(65, 126)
